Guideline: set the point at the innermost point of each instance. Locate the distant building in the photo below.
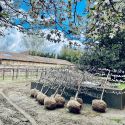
(19, 59)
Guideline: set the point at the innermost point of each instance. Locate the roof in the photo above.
(29, 58)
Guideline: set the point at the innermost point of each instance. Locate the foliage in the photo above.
(69, 54)
(42, 54)
(65, 54)
(105, 18)
(121, 86)
(106, 24)
(108, 53)
(54, 14)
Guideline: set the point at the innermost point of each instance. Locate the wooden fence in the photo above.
(15, 73)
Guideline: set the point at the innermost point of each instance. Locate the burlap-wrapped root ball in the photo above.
(99, 105)
(74, 106)
(78, 99)
(40, 98)
(60, 101)
(50, 103)
(33, 93)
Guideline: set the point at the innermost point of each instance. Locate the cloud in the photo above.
(13, 41)
(51, 47)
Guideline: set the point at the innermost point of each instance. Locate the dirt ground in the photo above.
(17, 108)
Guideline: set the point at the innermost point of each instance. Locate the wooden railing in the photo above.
(15, 73)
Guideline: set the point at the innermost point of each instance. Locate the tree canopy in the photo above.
(106, 35)
(105, 18)
(56, 14)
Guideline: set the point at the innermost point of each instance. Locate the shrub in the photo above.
(69, 54)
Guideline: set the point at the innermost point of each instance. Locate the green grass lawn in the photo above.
(121, 86)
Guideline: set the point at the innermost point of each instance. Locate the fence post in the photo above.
(3, 74)
(13, 74)
(26, 73)
(37, 72)
(17, 72)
